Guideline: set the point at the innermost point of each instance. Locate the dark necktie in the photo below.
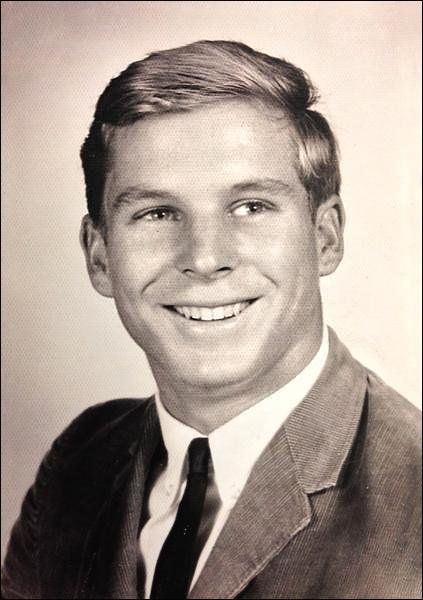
(177, 560)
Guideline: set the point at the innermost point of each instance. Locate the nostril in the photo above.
(208, 274)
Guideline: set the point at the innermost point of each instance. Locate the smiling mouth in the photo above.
(206, 313)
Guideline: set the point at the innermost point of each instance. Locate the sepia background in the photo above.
(63, 345)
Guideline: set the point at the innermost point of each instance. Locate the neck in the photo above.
(207, 408)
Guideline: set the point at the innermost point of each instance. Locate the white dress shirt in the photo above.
(235, 448)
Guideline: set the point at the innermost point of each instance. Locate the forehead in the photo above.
(214, 145)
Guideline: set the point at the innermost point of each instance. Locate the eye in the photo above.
(161, 213)
(251, 208)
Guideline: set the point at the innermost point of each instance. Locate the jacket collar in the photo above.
(322, 429)
(307, 454)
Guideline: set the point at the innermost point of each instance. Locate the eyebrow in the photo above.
(265, 184)
(135, 194)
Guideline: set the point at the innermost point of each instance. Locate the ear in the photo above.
(94, 247)
(329, 223)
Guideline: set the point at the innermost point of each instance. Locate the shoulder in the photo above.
(92, 429)
(78, 469)
(107, 414)
(388, 432)
(386, 414)
(393, 437)
(393, 413)
(91, 446)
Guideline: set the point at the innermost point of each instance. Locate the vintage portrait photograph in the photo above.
(211, 300)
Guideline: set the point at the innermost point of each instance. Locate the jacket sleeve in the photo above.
(20, 570)
(20, 573)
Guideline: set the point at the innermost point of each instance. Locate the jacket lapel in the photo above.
(307, 454)
(270, 511)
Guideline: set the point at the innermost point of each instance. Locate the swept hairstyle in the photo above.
(201, 73)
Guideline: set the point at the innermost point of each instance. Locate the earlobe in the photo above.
(330, 222)
(94, 247)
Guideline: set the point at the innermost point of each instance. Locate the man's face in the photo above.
(211, 253)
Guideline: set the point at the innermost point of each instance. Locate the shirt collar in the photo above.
(236, 445)
(176, 437)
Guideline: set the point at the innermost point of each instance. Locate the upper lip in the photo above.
(210, 303)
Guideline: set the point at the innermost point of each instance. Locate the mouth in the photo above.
(207, 313)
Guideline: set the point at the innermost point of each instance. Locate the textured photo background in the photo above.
(63, 345)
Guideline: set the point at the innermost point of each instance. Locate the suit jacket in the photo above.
(331, 509)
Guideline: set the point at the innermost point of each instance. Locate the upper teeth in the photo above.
(203, 313)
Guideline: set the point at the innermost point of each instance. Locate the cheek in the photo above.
(132, 268)
(288, 253)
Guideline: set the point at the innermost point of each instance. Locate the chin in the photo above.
(213, 374)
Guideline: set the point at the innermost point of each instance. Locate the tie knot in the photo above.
(199, 455)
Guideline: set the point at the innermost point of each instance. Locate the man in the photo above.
(270, 463)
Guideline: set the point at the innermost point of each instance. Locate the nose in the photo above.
(208, 250)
